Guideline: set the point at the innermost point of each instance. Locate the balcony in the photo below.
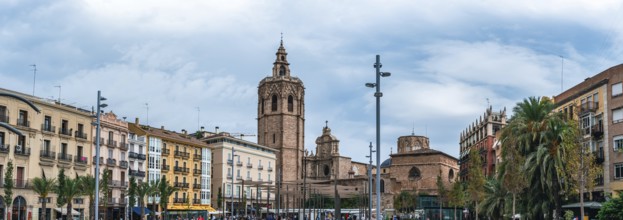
(22, 151)
(64, 131)
(117, 183)
(229, 162)
(81, 135)
(47, 155)
(134, 155)
(197, 186)
(229, 176)
(182, 185)
(182, 170)
(111, 143)
(249, 165)
(123, 163)
(248, 178)
(180, 200)
(197, 157)
(196, 172)
(597, 131)
(165, 167)
(48, 128)
(20, 183)
(23, 122)
(183, 155)
(111, 162)
(270, 169)
(260, 167)
(138, 140)
(196, 201)
(4, 148)
(239, 163)
(165, 151)
(124, 146)
(101, 160)
(80, 160)
(64, 157)
(599, 155)
(137, 173)
(238, 177)
(588, 107)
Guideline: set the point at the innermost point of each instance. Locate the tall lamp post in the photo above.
(378, 96)
(97, 151)
(232, 180)
(369, 213)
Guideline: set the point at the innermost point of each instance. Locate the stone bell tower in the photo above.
(281, 116)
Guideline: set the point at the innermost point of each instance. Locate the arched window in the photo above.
(382, 186)
(274, 103)
(282, 71)
(414, 173)
(451, 174)
(290, 103)
(274, 139)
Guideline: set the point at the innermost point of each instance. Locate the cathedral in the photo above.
(281, 125)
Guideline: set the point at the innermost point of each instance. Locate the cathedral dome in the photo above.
(386, 163)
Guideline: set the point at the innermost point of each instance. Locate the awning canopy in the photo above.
(137, 210)
(193, 208)
(590, 205)
(63, 211)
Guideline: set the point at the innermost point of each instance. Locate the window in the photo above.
(228, 171)
(259, 176)
(237, 190)
(228, 190)
(262, 106)
(80, 152)
(282, 71)
(237, 173)
(290, 104)
(414, 173)
(46, 146)
(248, 174)
(618, 171)
(274, 139)
(47, 123)
(268, 178)
(618, 142)
(617, 115)
(274, 103)
(64, 127)
(1, 139)
(617, 89)
(382, 186)
(22, 120)
(259, 163)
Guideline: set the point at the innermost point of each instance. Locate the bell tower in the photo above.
(281, 116)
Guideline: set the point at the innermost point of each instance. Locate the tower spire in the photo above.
(281, 67)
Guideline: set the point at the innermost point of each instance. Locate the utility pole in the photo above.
(338, 211)
(97, 149)
(370, 183)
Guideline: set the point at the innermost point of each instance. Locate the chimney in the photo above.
(184, 132)
(202, 128)
(216, 130)
(136, 121)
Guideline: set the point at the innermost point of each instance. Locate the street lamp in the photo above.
(378, 96)
(97, 150)
(232, 180)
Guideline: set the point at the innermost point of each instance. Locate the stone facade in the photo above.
(480, 135)
(327, 163)
(281, 116)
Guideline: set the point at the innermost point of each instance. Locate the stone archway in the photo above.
(19, 209)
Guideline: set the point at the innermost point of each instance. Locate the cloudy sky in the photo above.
(202, 60)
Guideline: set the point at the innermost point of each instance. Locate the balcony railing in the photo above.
(196, 157)
(229, 176)
(260, 167)
(123, 163)
(111, 162)
(166, 167)
(180, 200)
(111, 143)
(138, 140)
(588, 107)
(599, 155)
(134, 155)
(165, 151)
(4, 148)
(64, 131)
(80, 160)
(102, 161)
(46, 154)
(238, 177)
(23, 122)
(64, 157)
(48, 128)
(249, 165)
(124, 146)
(196, 201)
(22, 151)
(137, 173)
(181, 169)
(270, 169)
(21, 183)
(182, 185)
(248, 178)
(197, 186)
(184, 155)
(229, 162)
(81, 135)
(197, 172)
(239, 163)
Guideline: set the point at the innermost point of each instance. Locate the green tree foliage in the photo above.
(511, 172)
(476, 179)
(494, 200)
(405, 202)
(143, 190)
(132, 192)
(166, 190)
(71, 189)
(105, 188)
(43, 187)
(8, 185)
(219, 199)
(87, 182)
(612, 209)
(457, 196)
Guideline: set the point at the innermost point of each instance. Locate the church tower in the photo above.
(281, 116)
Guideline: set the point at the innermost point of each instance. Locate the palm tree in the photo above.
(142, 190)
(71, 189)
(166, 190)
(87, 182)
(495, 197)
(43, 187)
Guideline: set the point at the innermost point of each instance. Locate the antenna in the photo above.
(34, 78)
(488, 103)
(147, 106)
(562, 70)
(59, 93)
(413, 129)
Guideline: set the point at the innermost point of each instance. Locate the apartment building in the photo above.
(113, 159)
(185, 161)
(480, 135)
(597, 104)
(241, 165)
(56, 137)
(137, 152)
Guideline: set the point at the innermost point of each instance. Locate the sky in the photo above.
(198, 63)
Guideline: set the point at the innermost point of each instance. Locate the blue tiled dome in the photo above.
(386, 163)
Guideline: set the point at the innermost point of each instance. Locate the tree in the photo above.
(494, 200)
(8, 187)
(441, 193)
(166, 190)
(457, 196)
(104, 188)
(403, 201)
(132, 192)
(219, 199)
(43, 187)
(60, 196)
(71, 189)
(511, 171)
(87, 182)
(476, 179)
(612, 209)
(143, 190)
